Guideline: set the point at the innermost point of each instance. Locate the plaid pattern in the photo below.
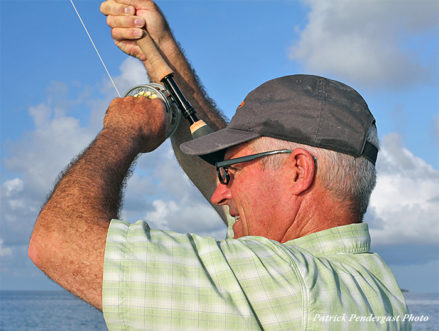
(161, 280)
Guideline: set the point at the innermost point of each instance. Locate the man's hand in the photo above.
(143, 120)
(127, 18)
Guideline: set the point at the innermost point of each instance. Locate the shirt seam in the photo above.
(123, 269)
(305, 295)
(240, 286)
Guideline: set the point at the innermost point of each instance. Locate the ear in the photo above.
(303, 170)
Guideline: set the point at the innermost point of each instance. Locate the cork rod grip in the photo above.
(153, 55)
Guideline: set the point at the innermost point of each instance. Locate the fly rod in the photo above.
(198, 127)
(175, 102)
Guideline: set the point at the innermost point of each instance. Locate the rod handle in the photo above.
(200, 128)
(153, 55)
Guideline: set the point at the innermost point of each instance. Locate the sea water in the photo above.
(60, 310)
(48, 310)
(424, 306)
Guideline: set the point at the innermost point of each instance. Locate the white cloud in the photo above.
(404, 206)
(41, 154)
(132, 73)
(165, 197)
(13, 186)
(186, 217)
(38, 157)
(362, 41)
(4, 251)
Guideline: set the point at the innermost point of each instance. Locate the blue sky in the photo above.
(54, 93)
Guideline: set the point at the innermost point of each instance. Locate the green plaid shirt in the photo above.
(162, 280)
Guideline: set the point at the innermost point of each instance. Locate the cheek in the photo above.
(253, 197)
(254, 212)
(263, 205)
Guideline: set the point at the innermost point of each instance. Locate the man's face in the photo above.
(257, 196)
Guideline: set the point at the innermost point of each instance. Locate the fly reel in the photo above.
(152, 91)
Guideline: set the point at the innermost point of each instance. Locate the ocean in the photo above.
(60, 310)
(47, 310)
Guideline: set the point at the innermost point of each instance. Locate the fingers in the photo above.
(120, 34)
(131, 48)
(112, 7)
(143, 4)
(125, 21)
(124, 25)
(128, 20)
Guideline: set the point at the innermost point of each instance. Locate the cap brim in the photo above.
(217, 141)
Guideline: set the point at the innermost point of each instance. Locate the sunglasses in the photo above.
(222, 166)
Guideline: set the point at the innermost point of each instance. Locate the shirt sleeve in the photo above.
(162, 280)
(157, 280)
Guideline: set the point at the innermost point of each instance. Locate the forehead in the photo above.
(238, 151)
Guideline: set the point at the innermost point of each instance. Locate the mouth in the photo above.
(237, 218)
(235, 215)
(237, 226)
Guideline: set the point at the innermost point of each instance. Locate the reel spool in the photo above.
(152, 91)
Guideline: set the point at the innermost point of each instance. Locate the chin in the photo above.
(237, 230)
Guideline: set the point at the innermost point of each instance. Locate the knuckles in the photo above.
(142, 119)
(138, 110)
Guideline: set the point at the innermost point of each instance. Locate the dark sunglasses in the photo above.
(222, 166)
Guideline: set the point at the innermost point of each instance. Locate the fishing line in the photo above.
(176, 103)
(97, 52)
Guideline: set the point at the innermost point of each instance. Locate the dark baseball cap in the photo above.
(305, 109)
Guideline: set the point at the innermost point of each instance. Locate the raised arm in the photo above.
(127, 18)
(68, 240)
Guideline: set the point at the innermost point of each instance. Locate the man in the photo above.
(296, 176)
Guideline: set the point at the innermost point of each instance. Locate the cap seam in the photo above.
(321, 94)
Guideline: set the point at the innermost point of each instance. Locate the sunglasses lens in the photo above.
(223, 175)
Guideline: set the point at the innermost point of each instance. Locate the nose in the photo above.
(221, 195)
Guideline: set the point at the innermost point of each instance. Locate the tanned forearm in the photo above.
(68, 241)
(72, 226)
(94, 181)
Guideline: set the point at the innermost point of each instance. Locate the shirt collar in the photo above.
(350, 239)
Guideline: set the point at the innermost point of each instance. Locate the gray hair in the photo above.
(349, 179)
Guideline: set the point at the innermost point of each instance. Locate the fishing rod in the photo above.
(175, 102)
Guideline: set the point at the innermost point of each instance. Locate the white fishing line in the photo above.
(97, 52)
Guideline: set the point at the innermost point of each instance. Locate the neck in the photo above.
(316, 212)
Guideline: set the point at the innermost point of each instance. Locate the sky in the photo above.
(54, 93)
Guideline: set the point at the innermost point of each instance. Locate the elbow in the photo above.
(33, 249)
(47, 243)
(38, 243)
